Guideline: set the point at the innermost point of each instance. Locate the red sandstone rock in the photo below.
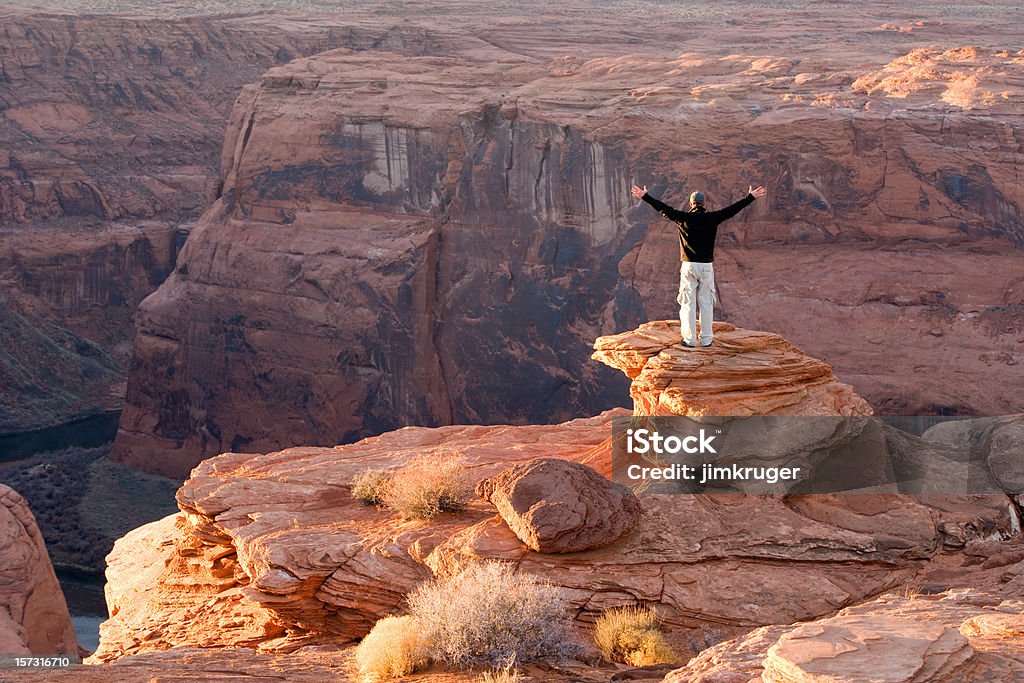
(34, 618)
(955, 636)
(556, 506)
(312, 664)
(398, 227)
(276, 547)
(744, 372)
(111, 128)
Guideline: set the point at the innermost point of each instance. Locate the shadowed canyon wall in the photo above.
(111, 129)
(424, 240)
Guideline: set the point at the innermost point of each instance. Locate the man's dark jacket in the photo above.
(697, 228)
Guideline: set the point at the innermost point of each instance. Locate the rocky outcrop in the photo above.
(556, 506)
(952, 636)
(395, 228)
(34, 618)
(996, 441)
(745, 372)
(272, 550)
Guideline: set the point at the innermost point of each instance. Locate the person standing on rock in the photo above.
(698, 229)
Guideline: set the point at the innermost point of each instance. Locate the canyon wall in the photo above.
(111, 129)
(490, 157)
(395, 232)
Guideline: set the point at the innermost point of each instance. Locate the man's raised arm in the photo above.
(733, 209)
(659, 206)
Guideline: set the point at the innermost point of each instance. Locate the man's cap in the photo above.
(697, 198)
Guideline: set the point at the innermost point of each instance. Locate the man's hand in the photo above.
(758, 191)
(639, 192)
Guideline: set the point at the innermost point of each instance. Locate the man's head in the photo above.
(697, 199)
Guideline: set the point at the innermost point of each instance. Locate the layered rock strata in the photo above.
(394, 230)
(742, 373)
(272, 552)
(112, 127)
(963, 635)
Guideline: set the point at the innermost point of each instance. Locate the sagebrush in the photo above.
(394, 647)
(632, 635)
(368, 486)
(490, 615)
(428, 485)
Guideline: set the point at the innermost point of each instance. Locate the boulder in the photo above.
(34, 618)
(557, 506)
(996, 442)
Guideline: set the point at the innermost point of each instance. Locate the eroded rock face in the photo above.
(556, 506)
(275, 548)
(112, 128)
(397, 228)
(745, 372)
(964, 635)
(34, 618)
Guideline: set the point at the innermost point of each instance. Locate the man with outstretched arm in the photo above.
(698, 229)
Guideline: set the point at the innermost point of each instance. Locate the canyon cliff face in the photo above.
(112, 128)
(394, 231)
(34, 618)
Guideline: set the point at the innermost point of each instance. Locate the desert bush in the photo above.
(489, 615)
(368, 486)
(427, 485)
(393, 647)
(631, 635)
(507, 675)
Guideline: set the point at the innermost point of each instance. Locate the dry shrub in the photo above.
(393, 647)
(368, 486)
(631, 635)
(427, 485)
(910, 592)
(502, 676)
(491, 616)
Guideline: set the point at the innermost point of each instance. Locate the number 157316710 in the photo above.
(34, 662)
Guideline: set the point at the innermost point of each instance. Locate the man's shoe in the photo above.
(705, 344)
(689, 345)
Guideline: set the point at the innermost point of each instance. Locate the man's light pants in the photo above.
(696, 289)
